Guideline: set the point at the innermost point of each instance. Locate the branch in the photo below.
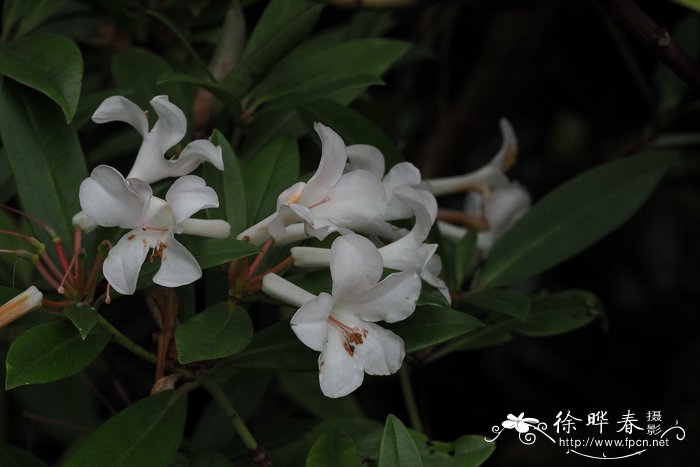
(657, 40)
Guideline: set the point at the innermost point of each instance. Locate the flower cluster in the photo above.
(351, 195)
(110, 200)
(494, 203)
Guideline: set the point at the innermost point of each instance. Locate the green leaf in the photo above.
(691, 4)
(431, 325)
(219, 331)
(45, 157)
(222, 93)
(562, 312)
(464, 257)
(353, 127)
(276, 348)
(283, 25)
(49, 352)
(493, 333)
(274, 169)
(210, 253)
(304, 389)
(398, 448)
(466, 451)
(146, 433)
(11, 456)
(309, 72)
(48, 63)
(144, 83)
(508, 302)
(573, 217)
(28, 15)
(7, 294)
(83, 316)
(229, 185)
(336, 449)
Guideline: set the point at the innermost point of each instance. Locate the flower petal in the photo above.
(424, 207)
(194, 154)
(330, 168)
(121, 109)
(381, 351)
(339, 372)
(364, 156)
(391, 300)
(123, 263)
(507, 153)
(188, 195)
(210, 228)
(151, 165)
(504, 206)
(358, 196)
(310, 322)
(177, 265)
(356, 265)
(110, 200)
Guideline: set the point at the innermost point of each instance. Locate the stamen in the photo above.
(61, 290)
(49, 229)
(108, 299)
(145, 228)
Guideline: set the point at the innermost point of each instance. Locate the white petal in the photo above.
(391, 300)
(403, 173)
(356, 265)
(381, 351)
(286, 215)
(407, 259)
(292, 233)
(110, 200)
(121, 109)
(151, 165)
(330, 168)
(210, 228)
(339, 372)
(188, 195)
(503, 207)
(194, 154)
(20, 305)
(123, 263)
(424, 207)
(291, 195)
(258, 233)
(364, 156)
(177, 265)
(310, 322)
(509, 146)
(82, 220)
(358, 196)
(451, 232)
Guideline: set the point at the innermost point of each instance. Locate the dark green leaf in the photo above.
(146, 433)
(352, 127)
(7, 293)
(304, 389)
(508, 302)
(276, 348)
(493, 333)
(573, 217)
(283, 25)
(229, 185)
(562, 312)
(431, 325)
(272, 170)
(27, 15)
(11, 456)
(218, 332)
(464, 257)
(144, 83)
(83, 316)
(302, 71)
(398, 448)
(223, 94)
(429, 295)
(48, 63)
(336, 449)
(467, 451)
(45, 157)
(49, 352)
(210, 253)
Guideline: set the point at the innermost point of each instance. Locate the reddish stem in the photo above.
(278, 268)
(45, 274)
(56, 304)
(48, 228)
(258, 259)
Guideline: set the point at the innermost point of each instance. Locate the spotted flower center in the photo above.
(352, 335)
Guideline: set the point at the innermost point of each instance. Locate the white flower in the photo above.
(408, 253)
(27, 301)
(341, 325)
(501, 208)
(110, 200)
(488, 177)
(522, 425)
(330, 201)
(151, 164)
